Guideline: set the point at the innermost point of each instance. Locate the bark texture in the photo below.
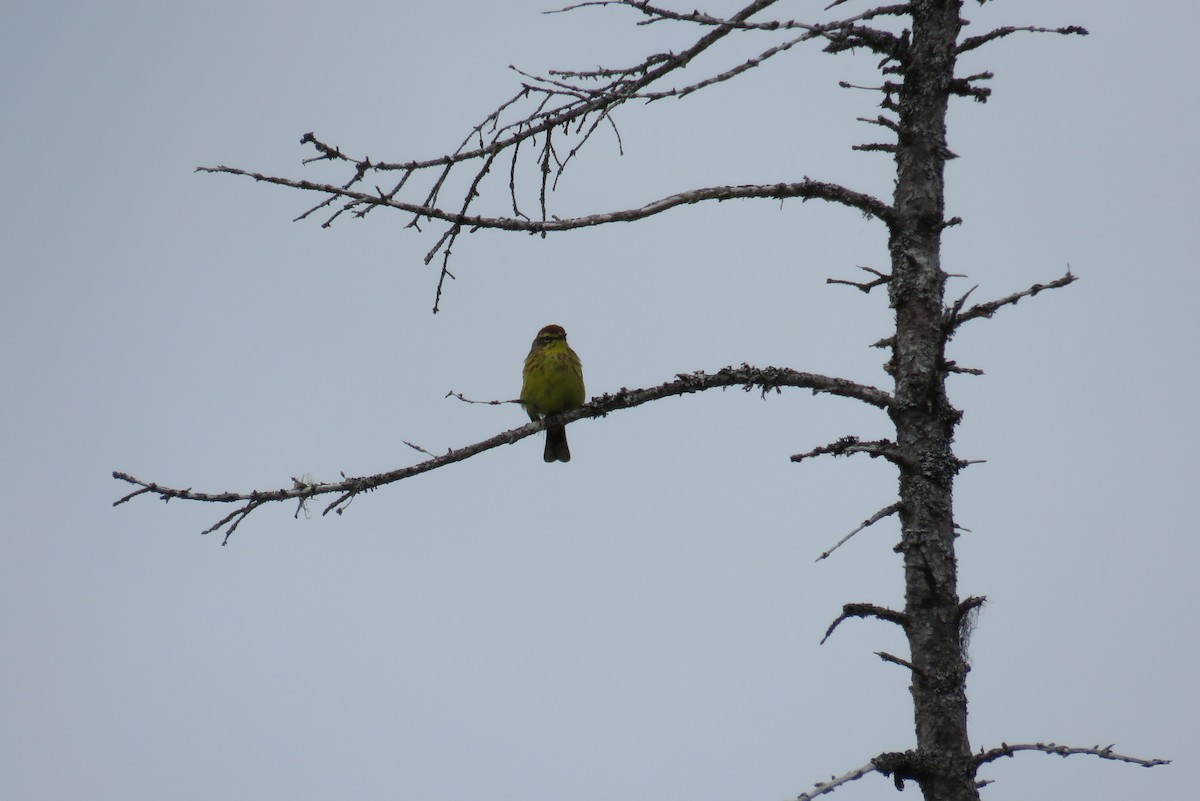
(925, 420)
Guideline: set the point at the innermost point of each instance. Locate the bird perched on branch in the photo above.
(553, 383)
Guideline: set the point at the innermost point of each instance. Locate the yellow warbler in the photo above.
(553, 383)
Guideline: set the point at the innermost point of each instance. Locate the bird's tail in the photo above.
(556, 445)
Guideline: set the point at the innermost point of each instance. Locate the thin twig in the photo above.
(851, 445)
(1106, 752)
(954, 319)
(866, 286)
(972, 42)
(873, 519)
(821, 788)
(464, 399)
(895, 660)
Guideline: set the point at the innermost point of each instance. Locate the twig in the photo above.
(951, 366)
(972, 42)
(828, 787)
(851, 444)
(875, 518)
(866, 286)
(1006, 750)
(567, 107)
(464, 399)
(658, 14)
(954, 319)
(895, 660)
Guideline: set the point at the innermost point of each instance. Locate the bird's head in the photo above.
(551, 333)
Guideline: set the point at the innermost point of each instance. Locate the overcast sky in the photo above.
(643, 623)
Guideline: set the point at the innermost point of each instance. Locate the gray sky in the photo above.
(643, 623)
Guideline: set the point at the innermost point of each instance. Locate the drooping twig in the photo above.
(866, 610)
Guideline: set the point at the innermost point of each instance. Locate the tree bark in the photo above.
(923, 416)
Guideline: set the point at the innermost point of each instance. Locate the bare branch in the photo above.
(626, 84)
(866, 610)
(972, 42)
(568, 106)
(821, 788)
(1006, 750)
(765, 379)
(851, 444)
(806, 189)
(658, 14)
(873, 519)
(866, 286)
(882, 122)
(826, 30)
(895, 660)
(951, 366)
(954, 318)
(465, 399)
(732, 72)
(418, 448)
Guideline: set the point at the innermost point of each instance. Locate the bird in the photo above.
(552, 383)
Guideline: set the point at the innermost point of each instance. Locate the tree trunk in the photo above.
(923, 416)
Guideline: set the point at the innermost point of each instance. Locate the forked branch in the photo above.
(880, 279)
(554, 115)
(955, 316)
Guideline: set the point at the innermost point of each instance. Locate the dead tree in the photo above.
(545, 125)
